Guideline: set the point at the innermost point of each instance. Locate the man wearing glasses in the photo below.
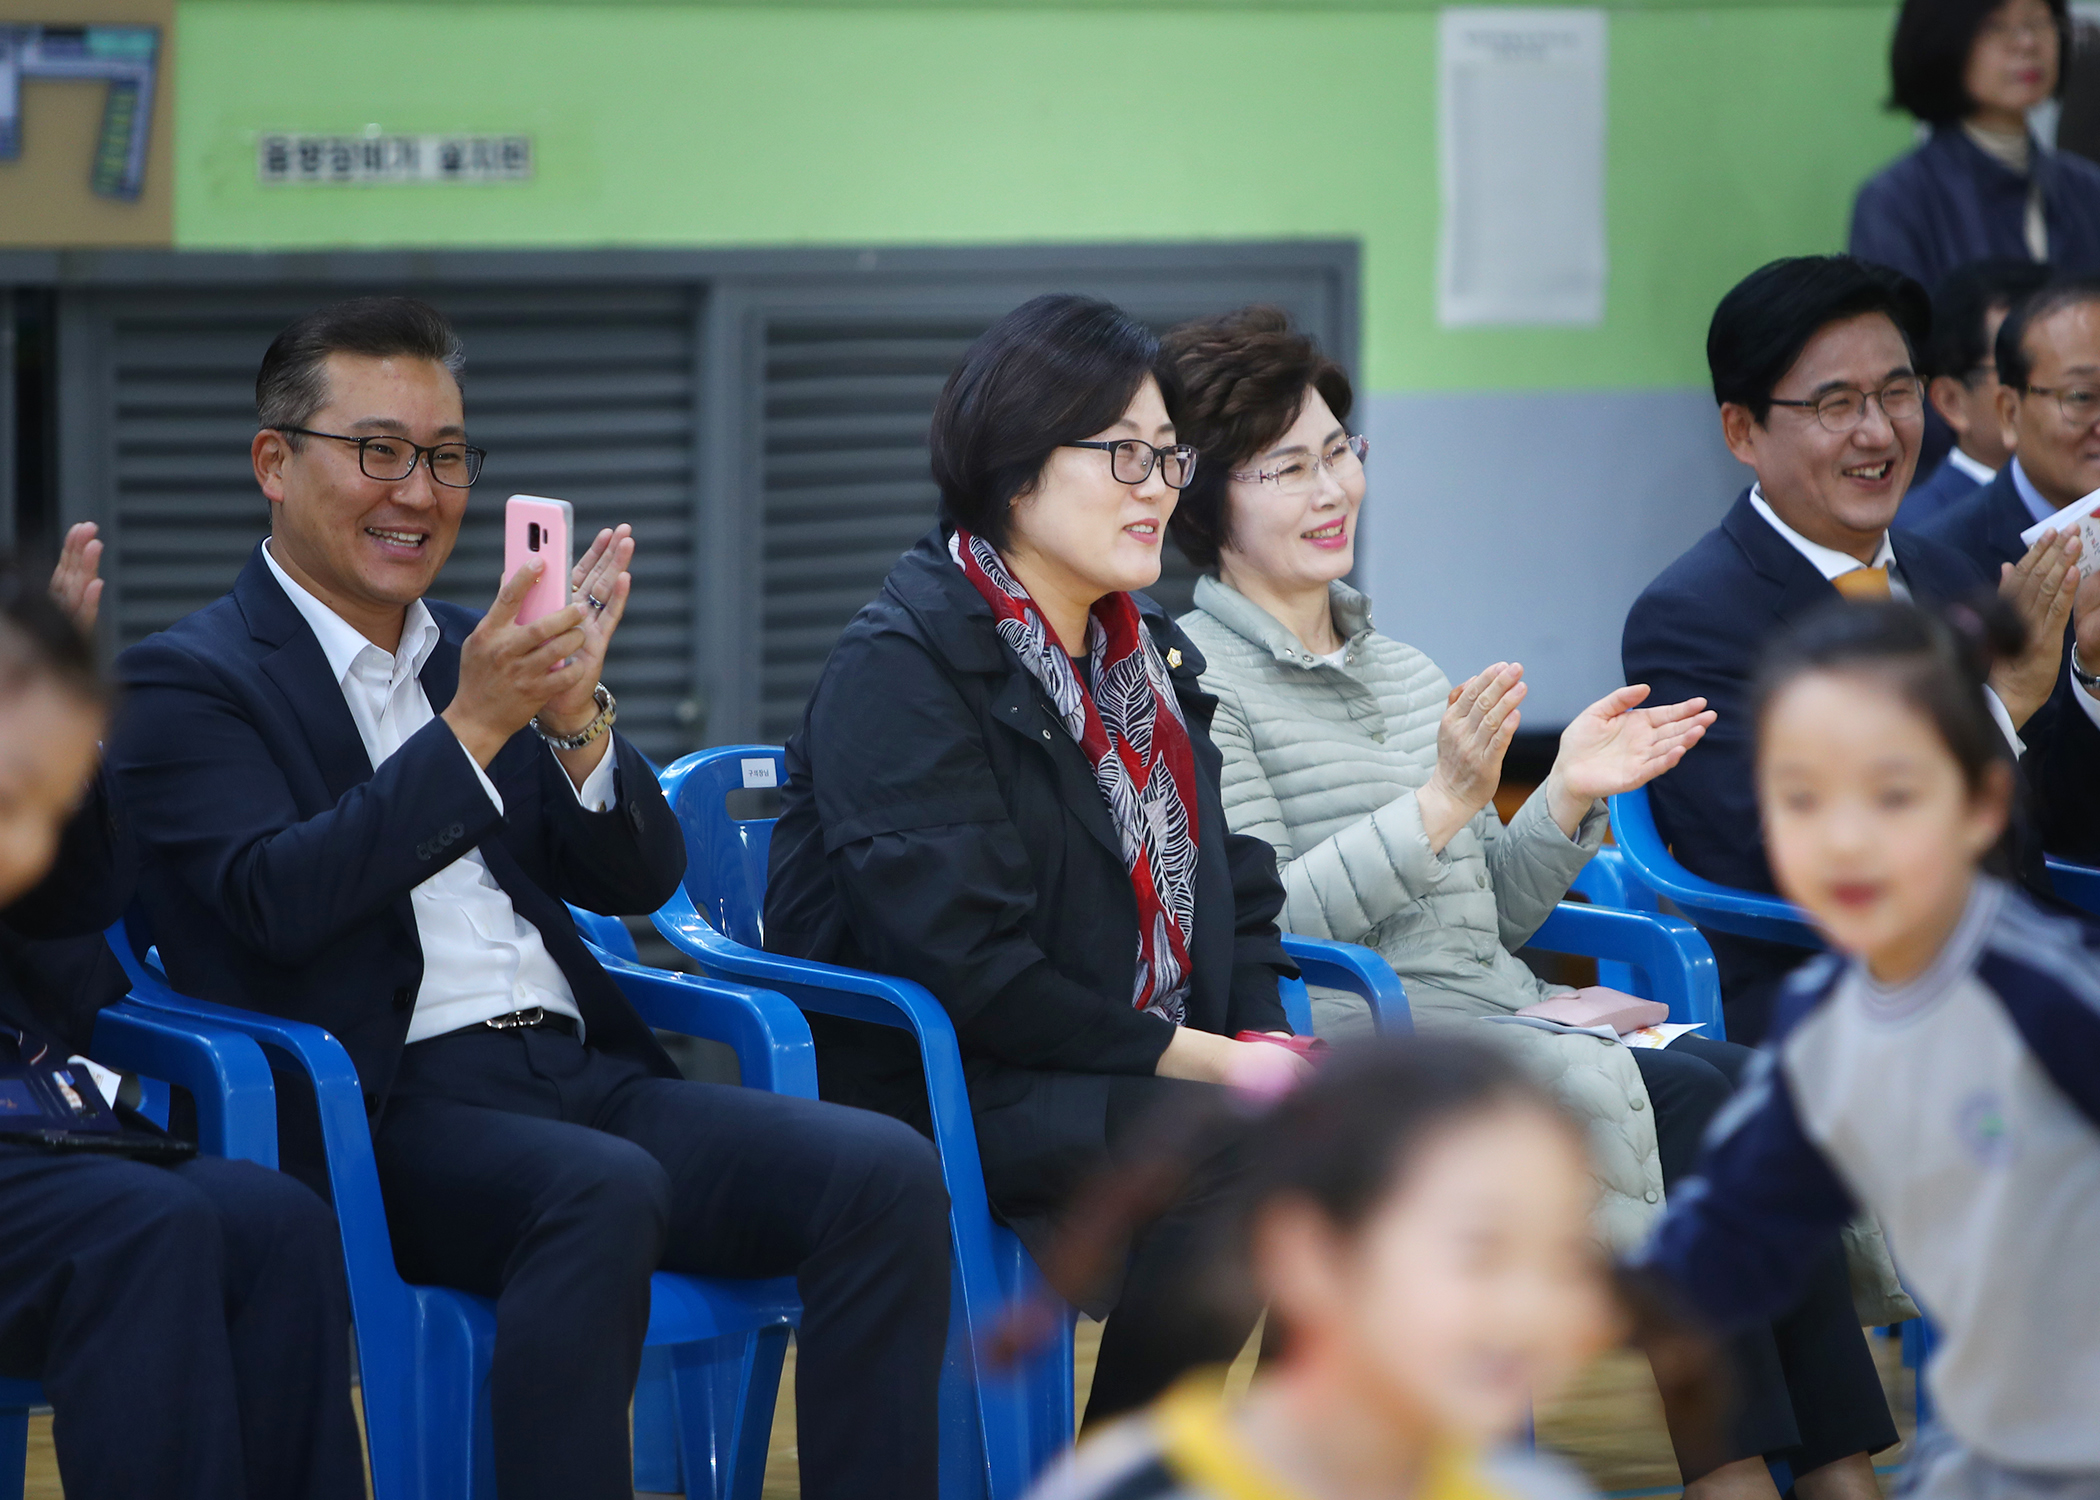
(1968, 307)
(1813, 367)
(2049, 402)
(365, 810)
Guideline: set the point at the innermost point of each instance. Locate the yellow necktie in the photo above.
(1863, 583)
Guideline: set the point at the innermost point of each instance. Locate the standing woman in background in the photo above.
(1005, 789)
(1981, 187)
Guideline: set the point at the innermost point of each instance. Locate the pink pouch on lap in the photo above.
(1595, 1005)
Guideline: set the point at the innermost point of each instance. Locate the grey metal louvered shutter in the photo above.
(588, 394)
(845, 384)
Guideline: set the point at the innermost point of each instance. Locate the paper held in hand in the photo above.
(2079, 513)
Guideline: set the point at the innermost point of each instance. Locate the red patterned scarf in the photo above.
(1130, 728)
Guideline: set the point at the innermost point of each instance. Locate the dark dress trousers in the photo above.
(1697, 631)
(552, 1173)
(2061, 769)
(189, 1323)
(1930, 498)
(939, 823)
(1951, 202)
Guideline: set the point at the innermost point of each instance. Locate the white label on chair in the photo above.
(761, 773)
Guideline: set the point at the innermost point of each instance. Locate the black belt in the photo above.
(531, 1018)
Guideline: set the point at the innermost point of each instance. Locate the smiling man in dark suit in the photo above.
(364, 810)
(1813, 369)
(2049, 409)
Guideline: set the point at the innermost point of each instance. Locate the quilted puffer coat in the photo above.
(1322, 762)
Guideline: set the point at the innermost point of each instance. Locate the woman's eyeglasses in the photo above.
(1299, 473)
(1131, 461)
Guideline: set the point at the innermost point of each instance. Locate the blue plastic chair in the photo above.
(1646, 861)
(229, 1078)
(1021, 1421)
(423, 1352)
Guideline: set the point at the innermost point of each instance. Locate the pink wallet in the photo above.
(1595, 1005)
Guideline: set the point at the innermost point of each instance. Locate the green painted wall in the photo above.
(1736, 134)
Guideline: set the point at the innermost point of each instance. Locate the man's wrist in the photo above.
(476, 738)
(2087, 680)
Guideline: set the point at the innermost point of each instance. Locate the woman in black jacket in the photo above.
(1005, 789)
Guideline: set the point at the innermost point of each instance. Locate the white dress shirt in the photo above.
(1977, 470)
(1832, 564)
(480, 958)
(2039, 507)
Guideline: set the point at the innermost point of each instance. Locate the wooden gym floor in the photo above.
(1609, 1425)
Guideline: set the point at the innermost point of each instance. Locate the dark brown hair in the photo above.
(1929, 55)
(1937, 664)
(1055, 370)
(1243, 378)
(293, 382)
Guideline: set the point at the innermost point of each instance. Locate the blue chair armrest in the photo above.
(2077, 884)
(608, 933)
(224, 1071)
(1349, 966)
(1724, 908)
(1676, 959)
(763, 1027)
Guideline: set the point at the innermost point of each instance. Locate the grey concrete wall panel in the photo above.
(1519, 526)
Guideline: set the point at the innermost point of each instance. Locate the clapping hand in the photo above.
(1615, 745)
(2045, 589)
(74, 583)
(598, 585)
(1480, 719)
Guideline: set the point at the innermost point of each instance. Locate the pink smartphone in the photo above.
(538, 529)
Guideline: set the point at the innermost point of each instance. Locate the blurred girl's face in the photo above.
(2013, 61)
(1296, 529)
(1868, 821)
(1475, 1289)
(1080, 531)
(47, 752)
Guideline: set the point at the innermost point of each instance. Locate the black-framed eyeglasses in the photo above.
(2080, 404)
(1843, 410)
(1131, 461)
(392, 459)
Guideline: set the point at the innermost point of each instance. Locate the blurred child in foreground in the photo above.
(1940, 1067)
(1418, 1221)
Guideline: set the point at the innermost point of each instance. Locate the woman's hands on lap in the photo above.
(1251, 1067)
(1615, 745)
(1480, 719)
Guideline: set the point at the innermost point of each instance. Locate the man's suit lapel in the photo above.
(2005, 516)
(1796, 585)
(295, 663)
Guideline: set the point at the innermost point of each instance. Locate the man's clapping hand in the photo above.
(508, 672)
(74, 583)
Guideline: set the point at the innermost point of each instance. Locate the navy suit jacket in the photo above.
(1697, 631)
(1950, 202)
(1947, 487)
(277, 864)
(2062, 765)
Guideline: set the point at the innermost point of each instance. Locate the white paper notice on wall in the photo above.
(1520, 119)
(761, 772)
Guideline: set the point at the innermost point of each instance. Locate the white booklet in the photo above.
(1645, 1036)
(2079, 513)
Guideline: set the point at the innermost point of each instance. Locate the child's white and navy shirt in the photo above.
(1962, 1110)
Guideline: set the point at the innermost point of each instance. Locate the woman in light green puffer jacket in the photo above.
(1373, 777)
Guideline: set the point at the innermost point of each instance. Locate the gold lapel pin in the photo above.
(1173, 656)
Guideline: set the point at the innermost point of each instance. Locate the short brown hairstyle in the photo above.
(1243, 378)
